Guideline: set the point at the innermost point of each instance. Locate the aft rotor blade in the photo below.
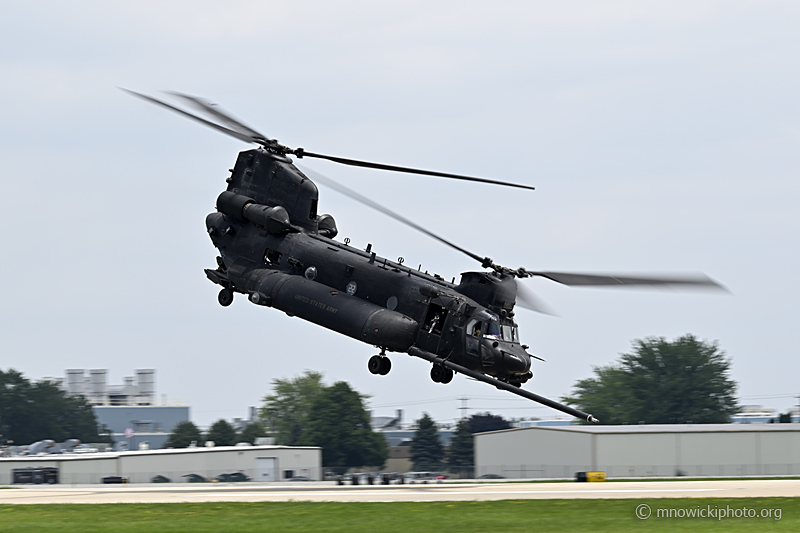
(356, 163)
(213, 109)
(386, 211)
(223, 129)
(600, 280)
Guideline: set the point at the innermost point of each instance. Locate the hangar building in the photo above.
(643, 450)
(261, 463)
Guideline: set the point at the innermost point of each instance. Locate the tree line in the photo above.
(34, 411)
(221, 433)
(658, 382)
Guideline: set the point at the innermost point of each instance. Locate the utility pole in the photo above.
(798, 410)
(463, 407)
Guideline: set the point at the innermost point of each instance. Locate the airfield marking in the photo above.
(444, 492)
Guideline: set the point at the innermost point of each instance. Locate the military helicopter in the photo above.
(275, 248)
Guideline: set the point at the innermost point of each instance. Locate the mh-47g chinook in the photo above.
(277, 250)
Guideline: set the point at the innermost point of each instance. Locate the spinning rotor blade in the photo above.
(599, 280)
(212, 109)
(356, 163)
(223, 129)
(386, 211)
(237, 129)
(527, 299)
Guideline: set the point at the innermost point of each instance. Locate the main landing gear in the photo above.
(440, 374)
(379, 364)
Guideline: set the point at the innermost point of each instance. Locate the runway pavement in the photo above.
(258, 492)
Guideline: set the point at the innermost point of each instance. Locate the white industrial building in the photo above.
(130, 410)
(642, 450)
(261, 463)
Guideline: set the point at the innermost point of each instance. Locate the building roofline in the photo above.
(659, 428)
(134, 453)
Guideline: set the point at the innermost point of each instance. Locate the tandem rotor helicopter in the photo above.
(275, 248)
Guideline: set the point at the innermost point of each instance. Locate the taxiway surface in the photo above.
(257, 492)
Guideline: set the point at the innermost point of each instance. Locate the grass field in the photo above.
(496, 516)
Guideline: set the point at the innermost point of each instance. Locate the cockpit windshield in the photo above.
(508, 333)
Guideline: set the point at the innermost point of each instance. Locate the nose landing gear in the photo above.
(440, 374)
(225, 297)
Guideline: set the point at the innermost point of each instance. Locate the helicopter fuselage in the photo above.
(276, 249)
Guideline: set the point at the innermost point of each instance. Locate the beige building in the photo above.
(643, 450)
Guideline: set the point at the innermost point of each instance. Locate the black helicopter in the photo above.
(278, 250)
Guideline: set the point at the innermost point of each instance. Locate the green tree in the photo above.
(287, 409)
(251, 432)
(482, 422)
(339, 423)
(461, 455)
(427, 453)
(183, 434)
(661, 382)
(221, 433)
(35, 411)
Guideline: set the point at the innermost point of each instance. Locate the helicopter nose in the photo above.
(516, 363)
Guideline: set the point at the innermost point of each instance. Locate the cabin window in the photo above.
(434, 319)
(272, 257)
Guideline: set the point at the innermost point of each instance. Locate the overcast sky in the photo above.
(661, 137)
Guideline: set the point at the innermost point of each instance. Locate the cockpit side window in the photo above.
(474, 328)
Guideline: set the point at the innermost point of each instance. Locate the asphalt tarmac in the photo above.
(327, 491)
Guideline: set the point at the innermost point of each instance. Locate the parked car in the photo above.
(231, 478)
(491, 476)
(425, 476)
(160, 479)
(194, 478)
(300, 478)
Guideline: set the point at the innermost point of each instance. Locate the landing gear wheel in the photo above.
(437, 373)
(386, 366)
(447, 376)
(225, 297)
(375, 364)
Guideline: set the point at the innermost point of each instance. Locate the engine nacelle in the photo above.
(243, 208)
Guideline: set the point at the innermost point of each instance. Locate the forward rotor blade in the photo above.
(232, 133)
(527, 299)
(386, 211)
(356, 163)
(213, 109)
(599, 280)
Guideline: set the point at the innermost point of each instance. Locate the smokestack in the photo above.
(75, 382)
(146, 381)
(97, 392)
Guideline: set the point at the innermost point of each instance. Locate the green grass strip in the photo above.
(489, 516)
